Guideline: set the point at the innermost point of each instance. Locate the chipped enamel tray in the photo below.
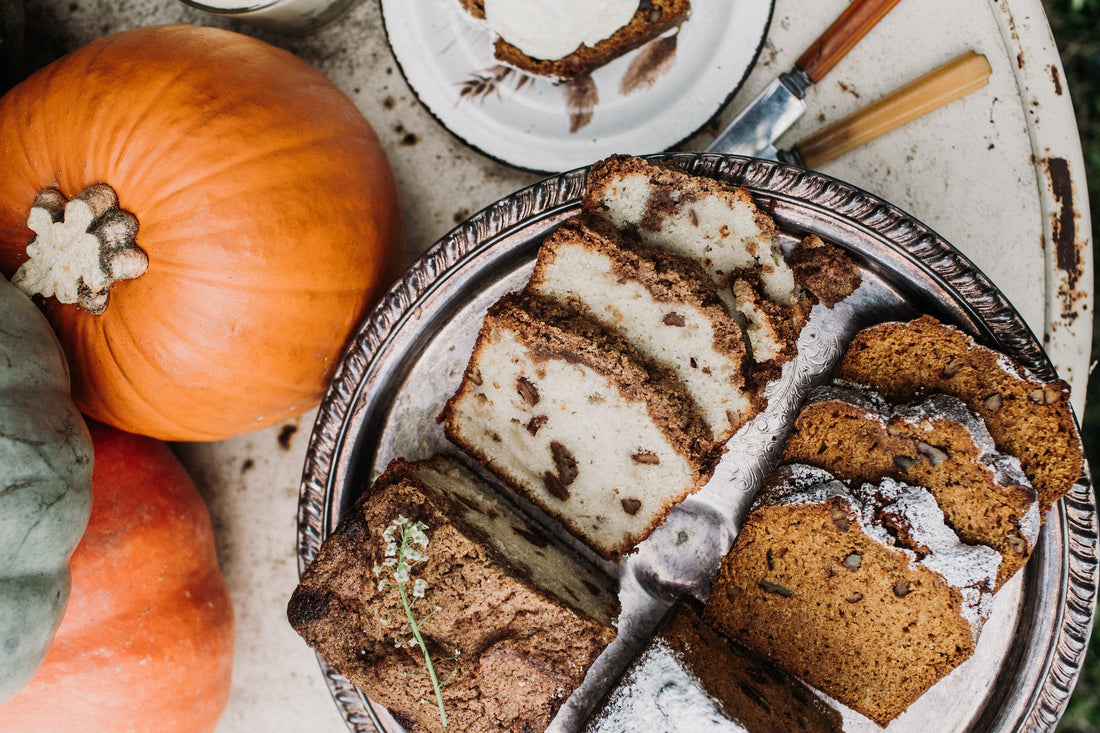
(408, 357)
(645, 101)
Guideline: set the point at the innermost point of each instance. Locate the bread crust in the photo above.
(1027, 417)
(521, 651)
(652, 19)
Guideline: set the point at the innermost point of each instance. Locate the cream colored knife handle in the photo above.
(949, 82)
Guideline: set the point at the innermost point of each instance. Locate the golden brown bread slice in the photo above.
(1027, 417)
(937, 443)
(862, 593)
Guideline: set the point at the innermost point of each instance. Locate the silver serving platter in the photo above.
(408, 357)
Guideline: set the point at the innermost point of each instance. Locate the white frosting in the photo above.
(970, 568)
(553, 29)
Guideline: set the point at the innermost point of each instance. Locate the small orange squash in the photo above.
(147, 640)
(240, 208)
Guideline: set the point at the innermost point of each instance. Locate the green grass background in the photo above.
(1076, 28)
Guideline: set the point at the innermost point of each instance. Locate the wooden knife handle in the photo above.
(852, 25)
(953, 80)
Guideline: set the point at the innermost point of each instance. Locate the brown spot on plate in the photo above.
(581, 99)
(655, 58)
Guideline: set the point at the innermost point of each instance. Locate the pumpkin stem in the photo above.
(80, 248)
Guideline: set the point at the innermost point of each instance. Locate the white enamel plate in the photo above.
(646, 101)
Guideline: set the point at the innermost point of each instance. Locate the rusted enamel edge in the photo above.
(1063, 198)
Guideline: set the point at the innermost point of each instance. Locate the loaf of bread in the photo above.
(575, 420)
(662, 304)
(1027, 417)
(511, 618)
(937, 443)
(691, 679)
(652, 19)
(862, 592)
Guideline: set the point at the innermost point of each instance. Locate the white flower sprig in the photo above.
(406, 542)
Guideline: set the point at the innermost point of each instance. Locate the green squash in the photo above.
(45, 487)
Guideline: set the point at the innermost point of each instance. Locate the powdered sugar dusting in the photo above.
(1006, 468)
(660, 690)
(963, 566)
(946, 407)
(842, 391)
(1010, 366)
(969, 568)
(800, 484)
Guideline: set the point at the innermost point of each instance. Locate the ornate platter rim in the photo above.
(910, 244)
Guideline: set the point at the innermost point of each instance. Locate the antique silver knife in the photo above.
(754, 131)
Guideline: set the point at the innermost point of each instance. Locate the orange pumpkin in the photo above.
(266, 214)
(147, 641)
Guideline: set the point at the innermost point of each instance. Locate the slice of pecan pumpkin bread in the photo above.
(575, 420)
(1028, 417)
(935, 442)
(862, 591)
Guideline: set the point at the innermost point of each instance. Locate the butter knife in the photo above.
(754, 131)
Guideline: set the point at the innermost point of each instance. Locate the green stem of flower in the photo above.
(424, 648)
